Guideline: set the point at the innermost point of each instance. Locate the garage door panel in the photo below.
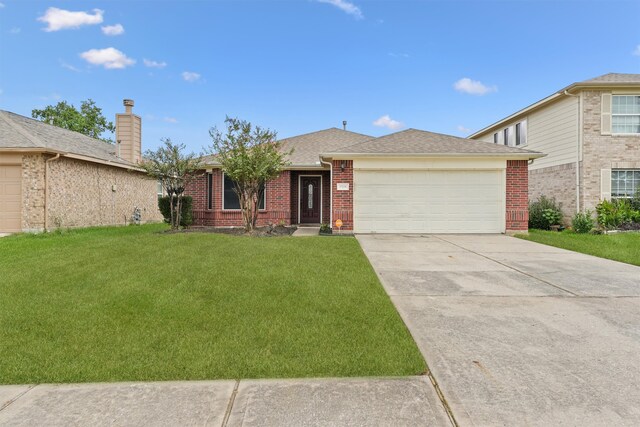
(10, 198)
(429, 201)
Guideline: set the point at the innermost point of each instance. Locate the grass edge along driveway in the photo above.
(623, 247)
(137, 304)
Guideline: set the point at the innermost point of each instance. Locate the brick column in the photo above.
(342, 199)
(517, 197)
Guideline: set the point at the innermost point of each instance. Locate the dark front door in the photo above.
(310, 200)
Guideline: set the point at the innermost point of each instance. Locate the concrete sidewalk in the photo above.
(408, 401)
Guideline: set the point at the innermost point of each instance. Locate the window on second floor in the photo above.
(625, 114)
(505, 138)
(495, 138)
(521, 133)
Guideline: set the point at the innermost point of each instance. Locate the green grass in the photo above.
(624, 247)
(133, 303)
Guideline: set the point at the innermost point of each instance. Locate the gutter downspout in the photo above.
(579, 150)
(330, 191)
(46, 190)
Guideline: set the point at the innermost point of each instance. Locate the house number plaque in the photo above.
(342, 186)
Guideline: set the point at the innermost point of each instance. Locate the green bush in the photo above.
(187, 210)
(583, 222)
(325, 228)
(537, 217)
(611, 214)
(635, 201)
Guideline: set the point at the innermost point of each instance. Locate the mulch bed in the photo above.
(268, 231)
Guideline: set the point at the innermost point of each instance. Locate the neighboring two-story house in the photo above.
(590, 132)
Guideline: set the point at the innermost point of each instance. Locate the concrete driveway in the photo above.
(518, 333)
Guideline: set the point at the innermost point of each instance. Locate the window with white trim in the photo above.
(624, 183)
(505, 139)
(230, 200)
(521, 133)
(160, 189)
(495, 138)
(625, 114)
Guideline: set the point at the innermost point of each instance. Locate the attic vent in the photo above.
(344, 125)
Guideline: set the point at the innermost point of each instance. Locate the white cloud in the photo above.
(190, 76)
(170, 120)
(388, 122)
(1, 5)
(69, 66)
(636, 52)
(154, 64)
(112, 30)
(109, 58)
(15, 30)
(463, 129)
(473, 87)
(60, 19)
(346, 7)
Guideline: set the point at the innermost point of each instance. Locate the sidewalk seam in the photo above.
(6, 405)
(232, 400)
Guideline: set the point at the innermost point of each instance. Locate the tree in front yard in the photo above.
(89, 120)
(250, 156)
(174, 169)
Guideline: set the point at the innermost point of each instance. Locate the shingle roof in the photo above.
(19, 132)
(419, 142)
(615, 78)
(307, 147)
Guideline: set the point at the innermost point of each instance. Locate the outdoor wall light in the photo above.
(342, 165)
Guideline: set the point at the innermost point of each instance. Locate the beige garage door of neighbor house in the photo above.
(429, 201)
(10, 198)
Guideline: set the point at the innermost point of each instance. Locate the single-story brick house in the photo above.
(52, 177)
(411, 181)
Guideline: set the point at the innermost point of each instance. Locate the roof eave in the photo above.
(507, 156)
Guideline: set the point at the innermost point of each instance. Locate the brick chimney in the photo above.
(129, 134)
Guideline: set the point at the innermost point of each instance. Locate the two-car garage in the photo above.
(415, 181)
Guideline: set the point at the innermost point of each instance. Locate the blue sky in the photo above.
(299, 66)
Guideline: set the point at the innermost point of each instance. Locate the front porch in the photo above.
(296, 197)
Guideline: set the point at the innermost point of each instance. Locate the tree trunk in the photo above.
(178, 211)
(171, 209)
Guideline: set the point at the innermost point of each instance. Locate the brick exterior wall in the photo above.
(84, 194)
(81, 194)
(343, 200)
(558, 182)
(33, 192)
(517, 197)
(278, 206)
(602, 151)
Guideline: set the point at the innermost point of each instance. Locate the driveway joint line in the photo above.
(443, 400)
(232, 400)
(7, 404)
(511, 267)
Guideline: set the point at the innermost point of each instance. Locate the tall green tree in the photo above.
(174, 169)
(89, 120)
(250, 156)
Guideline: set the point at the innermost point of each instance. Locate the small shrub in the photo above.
(537, 218)
(635, 201)
(187, 210)
(325, 228)
(583, 222)
(607, 214)
(552, 216)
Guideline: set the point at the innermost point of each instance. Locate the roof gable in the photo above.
(19, 132)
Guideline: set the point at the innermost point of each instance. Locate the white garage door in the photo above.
(10, 198)
(429, 201)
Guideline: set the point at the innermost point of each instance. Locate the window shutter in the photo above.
(605, 184)
(523, 132)
(605, 114)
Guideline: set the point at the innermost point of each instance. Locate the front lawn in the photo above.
(624, 247)
(133, 303)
